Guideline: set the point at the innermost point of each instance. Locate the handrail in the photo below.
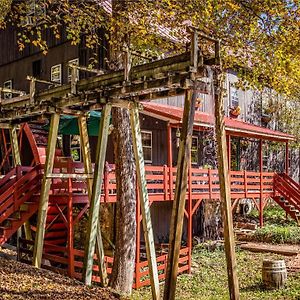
(8, 201)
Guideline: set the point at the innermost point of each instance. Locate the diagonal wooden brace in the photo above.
(85, 147)
(143, 192)
(180, 193)
(44, 198)
(94, 232)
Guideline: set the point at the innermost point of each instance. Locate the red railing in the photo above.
(25, 182)
(59, 261)
(203, 183)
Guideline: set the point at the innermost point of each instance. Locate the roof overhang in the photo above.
(233, 127)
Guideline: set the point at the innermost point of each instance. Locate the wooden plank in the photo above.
(180, 193)
(93, 223)
(144, 199)
(225, 190)
(86, 155)
(44, 198)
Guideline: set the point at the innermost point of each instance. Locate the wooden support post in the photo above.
(17, 162)
(287, 158)
(190, 217)
(85, 147)
(170, 160)
(71, 267)
(44, 197)
(144, 199)
(184, 155)
(93, 223)
(261, 169)
(225, 190)
(229, 151)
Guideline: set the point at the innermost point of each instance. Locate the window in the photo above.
(234, 97)
(73, 62)
(147, 145)
(56, 74)
(8, 85)
(36, 68)
(75, 147)
(194, 150)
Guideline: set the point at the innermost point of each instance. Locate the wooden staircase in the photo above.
(287, 195)
(18, 199)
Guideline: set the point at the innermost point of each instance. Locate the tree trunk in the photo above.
(124, 258)
(210, 220)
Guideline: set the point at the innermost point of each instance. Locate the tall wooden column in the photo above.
(170, 159)
(180, 194)
(287, 158)
(93, 223)
(261, 169)
(225, 191)
(85, 149)
(44, 198)
(144, 199)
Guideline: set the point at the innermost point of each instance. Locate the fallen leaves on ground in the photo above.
(21, 281)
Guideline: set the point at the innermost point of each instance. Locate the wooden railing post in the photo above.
(190, 219)
(246, 184)
(106, 182)
(165, 179)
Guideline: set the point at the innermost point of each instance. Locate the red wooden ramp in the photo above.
(18, 199)
(288, 195)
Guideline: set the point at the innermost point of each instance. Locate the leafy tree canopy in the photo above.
(262, 38)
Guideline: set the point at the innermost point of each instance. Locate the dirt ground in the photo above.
(21, 281)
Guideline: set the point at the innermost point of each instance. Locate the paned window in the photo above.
(234, 96)
(194, 150)
(8, 85)
(75, 147)
(73, 62)
(147, 145)
(56, 73)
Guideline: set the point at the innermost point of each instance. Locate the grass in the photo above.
(208, 280)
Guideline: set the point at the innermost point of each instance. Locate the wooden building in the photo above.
(161, 126)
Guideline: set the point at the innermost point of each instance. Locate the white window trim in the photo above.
(195, 137)
(231, 89)
(74, 61)
(151, 147)
(60, 73)
(9, 85)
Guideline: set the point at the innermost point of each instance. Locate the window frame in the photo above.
(149, 147)
(231, 89)
(74, 61)
(76, 147)
(8, 95)
(197, 150)
(60, 74)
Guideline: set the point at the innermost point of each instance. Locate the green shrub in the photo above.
(277, 234)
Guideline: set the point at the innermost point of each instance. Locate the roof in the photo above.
(233, 126)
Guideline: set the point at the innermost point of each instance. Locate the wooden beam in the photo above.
(180, 193)
(144, 199)
(225, 189)
(44, 197)
(86, 156)
(93, 223)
